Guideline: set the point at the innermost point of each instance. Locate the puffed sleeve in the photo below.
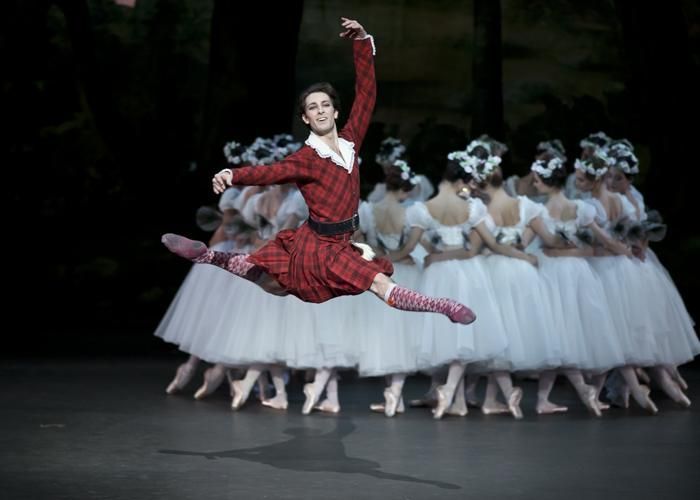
(477, 212)
(227, 200)
(417, 215)
(585, 213)
(529, 209)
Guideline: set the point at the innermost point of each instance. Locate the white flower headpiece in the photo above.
(406, 173)
(261, 152)
(624, 159)
(545, 169)
(284, 145)
(588, 166)
(390, 150)
(234, 151)
(478, 168)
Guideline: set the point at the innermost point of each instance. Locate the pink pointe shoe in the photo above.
(311, 399)
(327, 406)
(514, 403)
(183, 375)
(213, 378)
(240, 395)
(275, 403)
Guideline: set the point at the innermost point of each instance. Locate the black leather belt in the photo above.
(331, 228)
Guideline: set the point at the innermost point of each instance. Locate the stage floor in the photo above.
(104, 429)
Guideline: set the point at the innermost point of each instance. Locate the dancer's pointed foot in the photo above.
(494, 408)
(678, 395)
(311, 399)
(328, 406)
(213, 378)
(381, 407)
(590, 399)
(458, 409)
(391, 403)
(279, 402)
(683, 400)
(184, 247)
(549, 408)
(240, 395)
(183, 375)
(514, 403)
(645, 401)
(460, 313)
(443, 402)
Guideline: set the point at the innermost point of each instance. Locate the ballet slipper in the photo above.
(514, 403)
(442, 404)
(379, 407)
(213, 378)
(276, 403)
(457, 409)
(391, 403)
(327, 407)
(590, 399)
(549, 408)
(184, 247)
(183, 375)
(240, 395)
(494, 408)
(311, 399)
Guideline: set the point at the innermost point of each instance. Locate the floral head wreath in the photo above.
(545, 169)
(624, 159)
(589, 164)
(595, 141)
(481, 168)
(406, 173)
(390, 150)
(234, 151)
(261, 152)
(285, 145)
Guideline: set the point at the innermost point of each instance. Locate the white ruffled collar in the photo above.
(347, 150)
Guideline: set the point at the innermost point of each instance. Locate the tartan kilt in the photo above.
(317, 268)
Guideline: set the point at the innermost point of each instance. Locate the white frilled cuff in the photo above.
(371, 39)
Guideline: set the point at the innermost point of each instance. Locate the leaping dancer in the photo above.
(319, 261)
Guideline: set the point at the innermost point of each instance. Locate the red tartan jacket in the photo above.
(316, 268)
(331, 193)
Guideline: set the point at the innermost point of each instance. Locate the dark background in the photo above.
(114, 119)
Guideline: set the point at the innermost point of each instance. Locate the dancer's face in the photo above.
(319, 113)
(618, 181)
(541, 187)
(583, 183)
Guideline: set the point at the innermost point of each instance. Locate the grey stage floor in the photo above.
(105, 429)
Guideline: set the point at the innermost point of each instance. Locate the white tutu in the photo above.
(672, 326)
(387, 337)
(581, 314)
(442, 341)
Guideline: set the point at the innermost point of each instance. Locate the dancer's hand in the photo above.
(532, 259)
(222, 181)
(353, 29)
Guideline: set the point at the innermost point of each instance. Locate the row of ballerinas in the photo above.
(558, 289)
